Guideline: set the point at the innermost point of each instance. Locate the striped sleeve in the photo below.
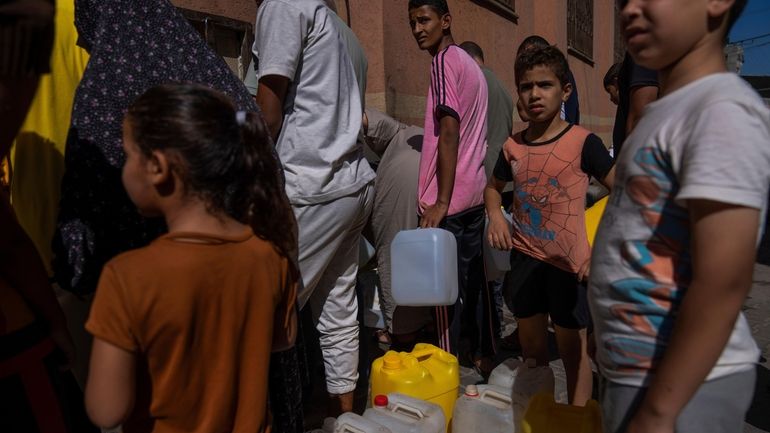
(445, 84)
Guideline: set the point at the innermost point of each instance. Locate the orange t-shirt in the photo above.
(201, 318)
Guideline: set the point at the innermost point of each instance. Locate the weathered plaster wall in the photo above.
(399, 71)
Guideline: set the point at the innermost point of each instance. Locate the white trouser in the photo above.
(328, 260)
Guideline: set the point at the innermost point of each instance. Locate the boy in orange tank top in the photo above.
(549, 164)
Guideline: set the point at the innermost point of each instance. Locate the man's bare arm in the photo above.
(271, 94)
(448, 143)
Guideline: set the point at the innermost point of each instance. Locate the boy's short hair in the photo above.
(611, 76)
(735, 12)
(532, 41)
(473, 49)
(550, 57)
(439, 6)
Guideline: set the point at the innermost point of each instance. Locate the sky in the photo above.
(754, 22)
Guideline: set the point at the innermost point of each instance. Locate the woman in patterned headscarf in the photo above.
(134, 45)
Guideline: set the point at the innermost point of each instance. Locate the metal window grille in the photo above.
(229, 38)
(505, 8)
(580, 28)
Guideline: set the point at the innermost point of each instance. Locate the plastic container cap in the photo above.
(381, 400)
(391, 361)
(472, 391)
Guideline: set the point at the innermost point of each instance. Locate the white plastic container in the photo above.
(423, 266)
(523, 380)
(484, 408)
(353, 423)
(350, 423)
(497, 261)
(403, 414)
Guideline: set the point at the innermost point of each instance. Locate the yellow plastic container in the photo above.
(593, 216)
(544, 415)
(427, 373)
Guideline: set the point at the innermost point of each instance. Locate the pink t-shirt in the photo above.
(458, 89)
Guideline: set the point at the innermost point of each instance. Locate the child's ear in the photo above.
(567, 91)
(158, 168)
(719, 8)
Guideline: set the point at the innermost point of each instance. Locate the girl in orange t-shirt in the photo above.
(183, 328)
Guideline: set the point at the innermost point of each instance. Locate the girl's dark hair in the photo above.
(229, 165)
(550, 57)
(439, 6)
(611, 77)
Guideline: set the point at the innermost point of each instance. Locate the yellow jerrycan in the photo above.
(544, 415)
(593, 216)
(427, 373)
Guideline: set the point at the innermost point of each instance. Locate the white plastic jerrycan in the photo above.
(353, 423)
(497, 261)
(350, 423)
(423, 265)
(484, 408)
(522, 380)
(403, 414)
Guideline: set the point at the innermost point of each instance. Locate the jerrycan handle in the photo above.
(408, 411)
(490, 394)
(424, 353)
(347, 428)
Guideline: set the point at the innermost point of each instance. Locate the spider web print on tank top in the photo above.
(549, 198)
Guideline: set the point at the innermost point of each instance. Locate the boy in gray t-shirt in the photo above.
(673, 257)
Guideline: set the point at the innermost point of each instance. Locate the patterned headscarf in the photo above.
(134, 45)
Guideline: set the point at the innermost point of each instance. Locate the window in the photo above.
(231, 39)
(580, 28)
(620, 42)
(503, 7)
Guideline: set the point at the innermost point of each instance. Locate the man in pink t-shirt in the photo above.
(452, 178)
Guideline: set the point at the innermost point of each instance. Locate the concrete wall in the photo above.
(399, 71)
